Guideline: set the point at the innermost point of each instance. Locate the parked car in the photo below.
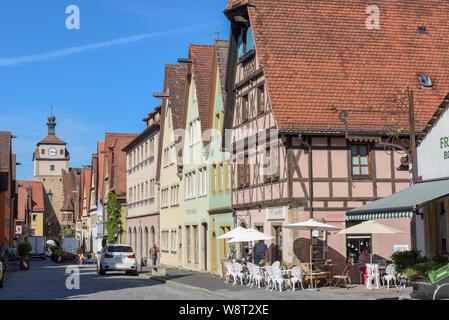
(117, 257)
(2, 272)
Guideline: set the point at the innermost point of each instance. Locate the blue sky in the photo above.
(100, 78)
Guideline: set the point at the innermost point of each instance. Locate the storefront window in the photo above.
(355, 243)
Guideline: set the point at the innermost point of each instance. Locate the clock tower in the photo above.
(49, 158)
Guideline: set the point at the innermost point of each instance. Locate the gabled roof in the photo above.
(202, 62)
(114, 143)
(37, 194)
(317, 55)
(175, 83)
(220, 61)
(22, 200)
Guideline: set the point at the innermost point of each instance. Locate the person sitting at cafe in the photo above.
(260, 252)
(362, 261)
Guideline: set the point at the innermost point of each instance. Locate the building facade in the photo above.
(169, 174)
(221, 215)
(195, 158)
(8, 192)
(304, 142)
(142, 192)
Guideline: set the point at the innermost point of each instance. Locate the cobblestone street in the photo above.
(46, 280)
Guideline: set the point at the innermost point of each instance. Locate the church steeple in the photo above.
(51, 121)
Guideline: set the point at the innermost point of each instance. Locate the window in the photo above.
(245, 108)
(227, 177)
(426, 82)
(202, 182)
(213, 177)
(189, 244)
(61, 151)
(195, 244)
(360, 159)
(190, 185)
(247, 170)
(146, 189)
(52, 167)
(220, 177)
(42, 151)
(240, 171)
(245, 41)
(34, 217)
(174, 194)
(146, 150)
(271, 162)
(260, 99)
(151, 147)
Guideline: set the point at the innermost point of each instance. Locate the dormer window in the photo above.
(426, 82)
(245, 41)
(422, 29)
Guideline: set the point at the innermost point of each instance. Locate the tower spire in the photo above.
(51, 121)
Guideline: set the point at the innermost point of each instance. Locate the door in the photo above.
(276, 250)
(205, 245)
(179, 246)
(440, 227)
(213, 252)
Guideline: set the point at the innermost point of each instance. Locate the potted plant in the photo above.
(24, 248)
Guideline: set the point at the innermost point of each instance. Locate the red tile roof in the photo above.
(202, 62)
(174, 83)
(319, 54)
(22, 197)
(51, 139)
(37, 194)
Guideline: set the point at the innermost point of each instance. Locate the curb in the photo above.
(184, 286)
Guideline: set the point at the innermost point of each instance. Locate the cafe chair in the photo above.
(391, 275)
(344, 276)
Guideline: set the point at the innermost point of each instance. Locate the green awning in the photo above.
(385, 215)
(403, 203)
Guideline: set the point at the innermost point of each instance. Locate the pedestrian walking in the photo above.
(260, 252)
(154, 253)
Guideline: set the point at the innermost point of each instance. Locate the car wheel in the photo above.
(134, 272)
(101, 271)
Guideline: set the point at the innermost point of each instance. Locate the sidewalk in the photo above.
(215, 285)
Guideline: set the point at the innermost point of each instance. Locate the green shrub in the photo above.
(405, 259)
(59, 252)
(24, 248)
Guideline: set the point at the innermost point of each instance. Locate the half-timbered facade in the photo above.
(312, 107)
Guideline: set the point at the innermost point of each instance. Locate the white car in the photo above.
(117, 257)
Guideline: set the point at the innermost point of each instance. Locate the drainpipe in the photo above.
(308, 145)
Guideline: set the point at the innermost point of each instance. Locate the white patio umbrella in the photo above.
(251, 236)
(311, 225)
(234, 233)
(370, 227)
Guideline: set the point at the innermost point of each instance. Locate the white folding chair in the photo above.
(257, 277)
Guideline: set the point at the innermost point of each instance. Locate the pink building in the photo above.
(312, 103)
(142, 161)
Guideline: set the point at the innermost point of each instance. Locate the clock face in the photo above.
(52, 152)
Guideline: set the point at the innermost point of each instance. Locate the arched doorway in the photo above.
(153, 236)
(135, 240)
(145, 248)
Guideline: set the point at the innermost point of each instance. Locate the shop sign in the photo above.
(400, 247)
(444, 144)
(276, 213)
